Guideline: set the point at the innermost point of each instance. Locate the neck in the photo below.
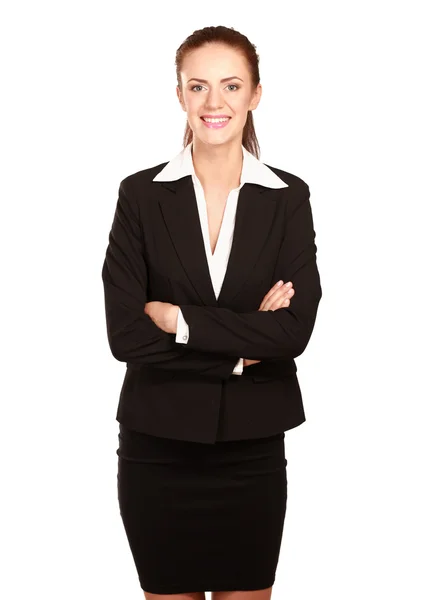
(219, 165)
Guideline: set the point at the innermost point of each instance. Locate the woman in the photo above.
(198, 280)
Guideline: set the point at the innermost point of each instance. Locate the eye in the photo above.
(200, 86)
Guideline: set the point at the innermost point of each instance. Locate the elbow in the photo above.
(121, 343)
(299, 346)
(300, 336)
(133, 344)
(117, 350)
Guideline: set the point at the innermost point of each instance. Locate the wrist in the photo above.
(175, 310)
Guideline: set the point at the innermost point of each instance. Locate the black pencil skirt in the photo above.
(202, 517)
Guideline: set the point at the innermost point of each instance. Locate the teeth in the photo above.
(215, 120)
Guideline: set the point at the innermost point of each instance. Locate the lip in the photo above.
(216, 125)
(215, 116)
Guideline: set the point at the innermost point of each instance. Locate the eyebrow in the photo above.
(222, 80)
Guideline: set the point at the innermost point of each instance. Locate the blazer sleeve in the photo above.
(182, 336)
(280, 334)
(132, 335)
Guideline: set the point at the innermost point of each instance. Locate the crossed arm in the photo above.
(218, 336)
(132, 335)
(170, 319)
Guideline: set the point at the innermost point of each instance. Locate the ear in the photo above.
(256, 97)
(180, 98)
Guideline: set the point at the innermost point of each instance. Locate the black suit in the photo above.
(156, 252)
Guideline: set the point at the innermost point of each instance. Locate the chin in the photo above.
(216, 136)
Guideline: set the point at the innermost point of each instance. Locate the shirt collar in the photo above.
(253, 170)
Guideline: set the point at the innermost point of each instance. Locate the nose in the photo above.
(214, 100)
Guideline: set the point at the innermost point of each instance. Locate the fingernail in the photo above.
(280, 282)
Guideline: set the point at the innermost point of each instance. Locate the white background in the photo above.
(349, 105)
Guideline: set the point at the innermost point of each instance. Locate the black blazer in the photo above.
(156, 252)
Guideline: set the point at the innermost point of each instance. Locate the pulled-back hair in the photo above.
(238, 41)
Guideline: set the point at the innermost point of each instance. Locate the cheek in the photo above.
(240, 106)
(192, 104)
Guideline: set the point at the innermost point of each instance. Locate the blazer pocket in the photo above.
(263, 378)
(285, 369)
(278, 377)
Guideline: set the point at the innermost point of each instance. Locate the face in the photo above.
(225, 89)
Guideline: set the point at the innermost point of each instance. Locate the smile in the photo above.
(215, 123)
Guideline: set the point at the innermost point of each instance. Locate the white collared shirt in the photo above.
(253, 171)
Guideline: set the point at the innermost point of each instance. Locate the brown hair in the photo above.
(231, 37)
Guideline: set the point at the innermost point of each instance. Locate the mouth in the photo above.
(215, 123)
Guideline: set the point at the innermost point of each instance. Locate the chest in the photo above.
(215, 208)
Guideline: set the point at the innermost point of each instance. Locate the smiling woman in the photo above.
(224, 65)
(203, 254)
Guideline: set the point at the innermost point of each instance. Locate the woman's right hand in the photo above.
(278, 297)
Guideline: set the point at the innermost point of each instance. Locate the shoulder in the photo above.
(139, 180)
(293, 181)
(297, 194)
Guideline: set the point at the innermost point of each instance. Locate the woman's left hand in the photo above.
(163, 314)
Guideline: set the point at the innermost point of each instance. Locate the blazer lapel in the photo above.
(254, 217)
(180, 212)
